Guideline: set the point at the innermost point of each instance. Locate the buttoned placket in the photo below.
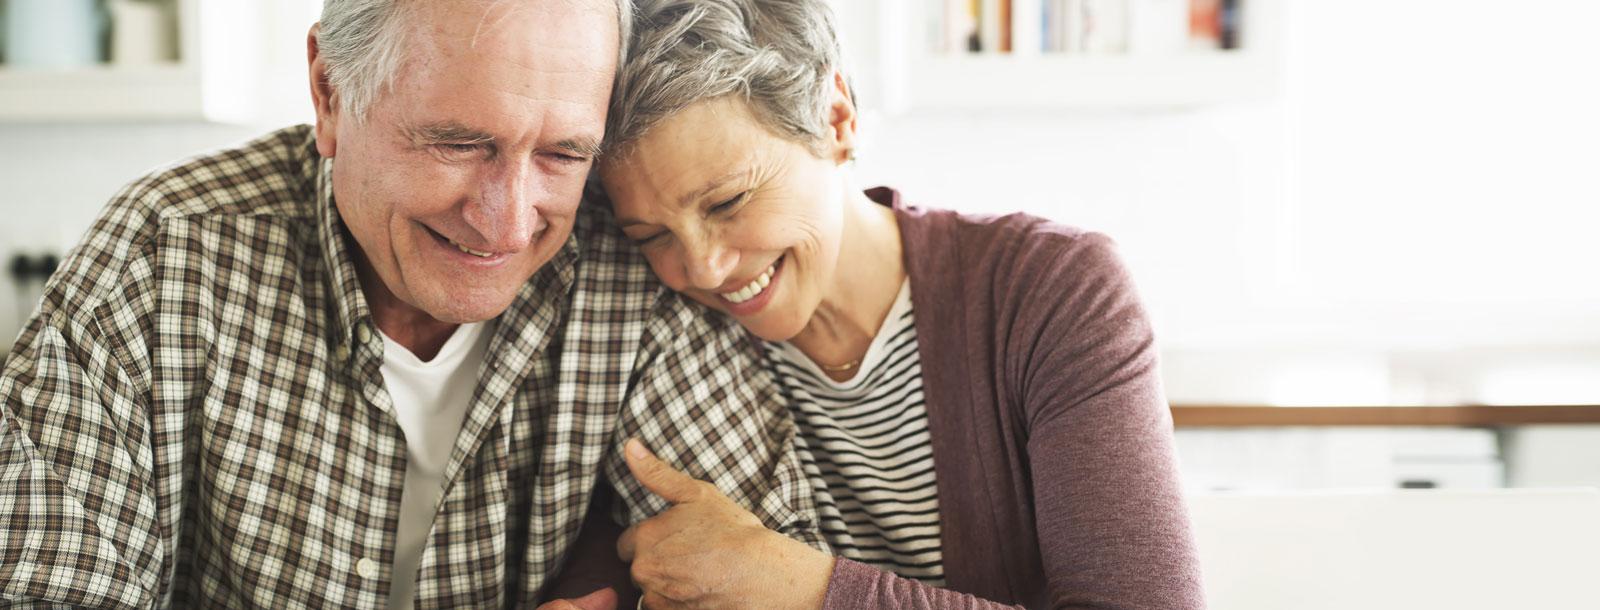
(363, 358)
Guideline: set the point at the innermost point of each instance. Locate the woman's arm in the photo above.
(1078, 362)
(1112, 524)
(857, 585)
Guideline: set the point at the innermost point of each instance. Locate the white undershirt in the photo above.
(430, 401)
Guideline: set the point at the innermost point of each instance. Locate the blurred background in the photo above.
(1365, 229)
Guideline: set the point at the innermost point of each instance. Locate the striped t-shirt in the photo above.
(865, 446)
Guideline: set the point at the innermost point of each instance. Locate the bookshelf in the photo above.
(218, 71)
(907, 61)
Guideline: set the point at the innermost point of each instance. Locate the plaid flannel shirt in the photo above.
(195, 415)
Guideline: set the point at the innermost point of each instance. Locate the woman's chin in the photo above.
(771, 327)
(769, 324)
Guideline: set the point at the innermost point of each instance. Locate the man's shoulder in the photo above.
(611, 263)
(608, 261)
(271, 178)
(274, 174)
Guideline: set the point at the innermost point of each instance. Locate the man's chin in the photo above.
(468, 308)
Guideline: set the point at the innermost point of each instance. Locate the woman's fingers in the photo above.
(603, 599)
(628, 544)
(657, 476)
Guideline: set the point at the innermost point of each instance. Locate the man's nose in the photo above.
(506, 211)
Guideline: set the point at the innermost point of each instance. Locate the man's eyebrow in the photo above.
(582, 146)
(448, 132)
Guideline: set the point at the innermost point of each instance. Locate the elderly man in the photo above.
(381, 361)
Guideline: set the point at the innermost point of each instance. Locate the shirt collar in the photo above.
(349, 304)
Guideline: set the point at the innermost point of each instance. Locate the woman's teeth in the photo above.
(753, 288)
(462, 248)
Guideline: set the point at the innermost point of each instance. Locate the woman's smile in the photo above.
(751, 297)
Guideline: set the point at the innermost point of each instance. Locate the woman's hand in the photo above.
(708, 552)
(604, 599)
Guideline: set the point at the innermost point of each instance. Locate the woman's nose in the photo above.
(709, 264)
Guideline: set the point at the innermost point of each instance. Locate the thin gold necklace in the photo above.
(840, 368)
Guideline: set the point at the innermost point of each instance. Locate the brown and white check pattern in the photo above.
(195, 416)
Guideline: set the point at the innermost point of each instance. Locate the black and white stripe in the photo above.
(866, 449)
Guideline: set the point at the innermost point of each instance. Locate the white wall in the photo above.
(1423, 188)
(1422, 191)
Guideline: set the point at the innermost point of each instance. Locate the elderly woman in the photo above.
(977, 396)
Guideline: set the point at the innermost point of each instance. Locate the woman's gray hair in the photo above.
(778, 55)
(364, 44)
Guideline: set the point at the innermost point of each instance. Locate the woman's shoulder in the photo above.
(1028, 250)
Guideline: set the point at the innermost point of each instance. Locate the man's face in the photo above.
(466, 176)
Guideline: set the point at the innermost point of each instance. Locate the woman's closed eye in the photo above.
(650, 239)
(729, 205)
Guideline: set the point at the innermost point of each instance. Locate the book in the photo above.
(960, 21)
(1005, 26)
(1105, 27)
(990, 28)
(1205, 25)
(1074, 25)
(1027, 26)
(1228, 22)
(1158, 27)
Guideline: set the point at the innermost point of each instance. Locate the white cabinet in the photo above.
(239, 61)
(894, 50)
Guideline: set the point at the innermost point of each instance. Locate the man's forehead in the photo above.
(549, 36)
(550, 53)
(472, 20)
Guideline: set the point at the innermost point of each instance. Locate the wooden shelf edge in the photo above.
(1236, 416)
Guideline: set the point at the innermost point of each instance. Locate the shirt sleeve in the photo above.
(79, 524)
(77, 519)
(702, 401)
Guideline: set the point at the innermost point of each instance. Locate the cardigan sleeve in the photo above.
(857, 585)
(1077, 359)
(1112, 524)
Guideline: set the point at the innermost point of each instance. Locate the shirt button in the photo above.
(363, 334)
(341, 353)
(367, 568)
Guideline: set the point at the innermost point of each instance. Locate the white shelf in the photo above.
(240, 60)
(1044, 81)
(897, 70)
(102, 93)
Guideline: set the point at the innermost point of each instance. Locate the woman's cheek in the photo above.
(667, 268)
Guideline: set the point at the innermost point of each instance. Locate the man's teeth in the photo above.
(753, 288)
(476, 253)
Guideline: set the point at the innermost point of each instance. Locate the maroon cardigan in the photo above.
(1052, 441)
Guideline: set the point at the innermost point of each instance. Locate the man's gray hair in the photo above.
(778, 55)
(364, 44)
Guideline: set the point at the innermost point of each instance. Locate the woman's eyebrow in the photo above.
(712, 186)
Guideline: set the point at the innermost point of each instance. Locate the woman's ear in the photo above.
(322, 97)
(842, 121)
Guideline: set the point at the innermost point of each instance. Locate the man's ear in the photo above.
(322, 97)
(841, 121)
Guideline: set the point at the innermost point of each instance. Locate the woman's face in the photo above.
(733, 216)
